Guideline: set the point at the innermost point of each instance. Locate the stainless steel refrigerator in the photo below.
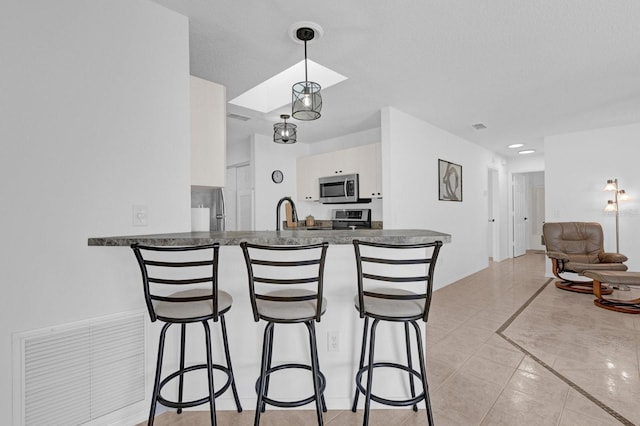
(213, 199)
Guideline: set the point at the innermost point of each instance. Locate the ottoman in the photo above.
(616, 279)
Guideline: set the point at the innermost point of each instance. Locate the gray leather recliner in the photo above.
(575, 247)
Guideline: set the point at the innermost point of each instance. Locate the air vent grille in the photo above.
(238, 117)
(76, 373)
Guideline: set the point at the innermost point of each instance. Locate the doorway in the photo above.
(239, 198)
(493, 223)
(527, 210)
(519, 209)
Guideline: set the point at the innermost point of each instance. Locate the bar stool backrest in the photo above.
(179, 275)
(396, 267)
(272, 268)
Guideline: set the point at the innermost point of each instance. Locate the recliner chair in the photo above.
(575, 247)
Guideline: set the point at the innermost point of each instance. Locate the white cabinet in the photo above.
(364, 160)
(307, 173)
(370, 170)
(208, 133)
(341, 162)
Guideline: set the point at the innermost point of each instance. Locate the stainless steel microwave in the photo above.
(339, 189)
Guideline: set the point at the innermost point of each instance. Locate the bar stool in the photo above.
(399, 267)
(187, 271)
(285, 286)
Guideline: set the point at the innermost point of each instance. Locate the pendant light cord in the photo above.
(306, 79)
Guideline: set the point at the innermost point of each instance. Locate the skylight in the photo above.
(276, 91)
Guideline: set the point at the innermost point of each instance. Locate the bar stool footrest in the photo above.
(195, 402)
(386, 401)
(289, 404)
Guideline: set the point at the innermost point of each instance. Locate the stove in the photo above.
(351, 218)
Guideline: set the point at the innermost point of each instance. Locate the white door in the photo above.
(230, 192)
(492, 213)
(244, 198)
(519, 215)
(239, 198)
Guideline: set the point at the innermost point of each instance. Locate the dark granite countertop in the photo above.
(285, 237)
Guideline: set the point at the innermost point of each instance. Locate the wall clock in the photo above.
(277, 176)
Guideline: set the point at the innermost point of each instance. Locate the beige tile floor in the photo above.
(505, 347)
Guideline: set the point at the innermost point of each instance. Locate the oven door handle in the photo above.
(346, 193)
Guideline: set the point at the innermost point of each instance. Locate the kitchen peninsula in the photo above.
(338, 362)
(285, 237)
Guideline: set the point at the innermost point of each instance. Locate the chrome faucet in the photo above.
(293, 210)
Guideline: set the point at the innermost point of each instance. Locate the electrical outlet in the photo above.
(140, 215)
(333, 341)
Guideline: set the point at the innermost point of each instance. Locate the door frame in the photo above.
(494, 221)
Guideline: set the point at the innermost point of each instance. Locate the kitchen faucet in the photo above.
(293, 210)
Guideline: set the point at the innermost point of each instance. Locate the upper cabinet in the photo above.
(208, 133)
(341, 162)
(307, 174)
(370, 170)
(364, 160)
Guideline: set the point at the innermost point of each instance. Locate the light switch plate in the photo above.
(140, 215)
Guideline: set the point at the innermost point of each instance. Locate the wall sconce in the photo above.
(613, 205)
(285, 132)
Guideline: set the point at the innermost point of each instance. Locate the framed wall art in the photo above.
(449, 181)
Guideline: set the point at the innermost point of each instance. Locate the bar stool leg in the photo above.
(266, 342)
(269, 360)
(324, 404)
(183, 332)
(409, 363)
(315, 371)
(212, 392)
(225, 341)
(156, 382)
(362, 355)
(423, 371)
(372, 344)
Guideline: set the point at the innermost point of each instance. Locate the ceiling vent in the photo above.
(479, 126)
(238, 117)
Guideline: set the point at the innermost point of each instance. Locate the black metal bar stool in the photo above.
(285, 285)
(396, 266)
(193, 271)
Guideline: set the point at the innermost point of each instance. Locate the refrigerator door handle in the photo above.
(221, 216)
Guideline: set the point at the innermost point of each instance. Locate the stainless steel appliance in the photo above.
(339, 189)
(212, 198)
(351, 218)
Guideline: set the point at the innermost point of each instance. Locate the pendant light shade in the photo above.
(307, 101)
(284, 132)
(306, 98)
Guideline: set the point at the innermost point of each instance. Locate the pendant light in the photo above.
(284, 132)
(307, 101)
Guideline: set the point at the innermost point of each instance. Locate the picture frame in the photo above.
(449, 181)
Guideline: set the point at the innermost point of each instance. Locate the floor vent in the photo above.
(73, 374)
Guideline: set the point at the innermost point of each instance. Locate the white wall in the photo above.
(410, 152)
(577, 168)
(351, 140)
(267, 156)
(238, 152)
(95, 107)
(526, 163)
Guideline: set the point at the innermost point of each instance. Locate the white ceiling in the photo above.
(526, 69)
